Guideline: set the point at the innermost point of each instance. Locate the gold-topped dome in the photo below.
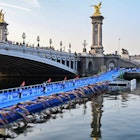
(1, 16)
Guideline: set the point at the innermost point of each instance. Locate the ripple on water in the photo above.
(121, 121)
(116, 117)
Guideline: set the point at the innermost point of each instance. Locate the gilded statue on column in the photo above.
(97, 9)
(1, 16)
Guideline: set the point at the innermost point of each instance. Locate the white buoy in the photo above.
(133, 84)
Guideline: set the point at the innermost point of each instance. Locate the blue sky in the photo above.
(69, 21)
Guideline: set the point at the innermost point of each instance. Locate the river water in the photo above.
(103, 117)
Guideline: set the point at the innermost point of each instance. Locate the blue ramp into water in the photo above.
(8, 97)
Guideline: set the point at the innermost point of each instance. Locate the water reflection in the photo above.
(3, 134)
(84, 109)
(111, 105)
(20, 128)
(96, 105)
(11, 132)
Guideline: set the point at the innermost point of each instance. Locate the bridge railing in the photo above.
(36, 50)
(54, 55)
(136, 63)
(11, 94)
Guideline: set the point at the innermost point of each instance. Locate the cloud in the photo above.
(33, 3)
(14, 6)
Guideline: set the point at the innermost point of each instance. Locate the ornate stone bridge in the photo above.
(91, 64)
(33, 61)
(135, 58)
(25, 60)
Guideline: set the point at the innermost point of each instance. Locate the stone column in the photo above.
(96, 47)
(0, 34)
(99, 35)
(61, 60)
(76, 65)
(65, 62)
(70, 63)
(3, 31)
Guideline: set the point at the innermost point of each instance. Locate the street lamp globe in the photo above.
(61, 45)
(69, 47)
(6, 33)
(23, 37)
(50, 41)
(38, 39)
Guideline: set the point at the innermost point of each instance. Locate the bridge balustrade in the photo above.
(65, 58)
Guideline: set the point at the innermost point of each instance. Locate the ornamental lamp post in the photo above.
(38, 39)
(6, 33)
(61, 45)
(69, 47)
(84, 44)
(118, 46)
(23, 37)
(50, 41)
(64, 48)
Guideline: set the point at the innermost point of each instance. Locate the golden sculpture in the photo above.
(97, 9)
(1, 16)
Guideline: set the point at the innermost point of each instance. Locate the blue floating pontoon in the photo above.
(18, 102)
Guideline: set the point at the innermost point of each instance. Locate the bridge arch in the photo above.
(42, 64)
(90, 67)
(111, 64)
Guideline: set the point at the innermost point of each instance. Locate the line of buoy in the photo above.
(23, 110)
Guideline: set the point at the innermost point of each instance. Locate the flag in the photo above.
(23, 84)
(49, 80)
(77, 77)
(65, 78)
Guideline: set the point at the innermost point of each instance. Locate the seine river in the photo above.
(104, 117)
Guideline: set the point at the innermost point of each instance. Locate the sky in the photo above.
(69, 21)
